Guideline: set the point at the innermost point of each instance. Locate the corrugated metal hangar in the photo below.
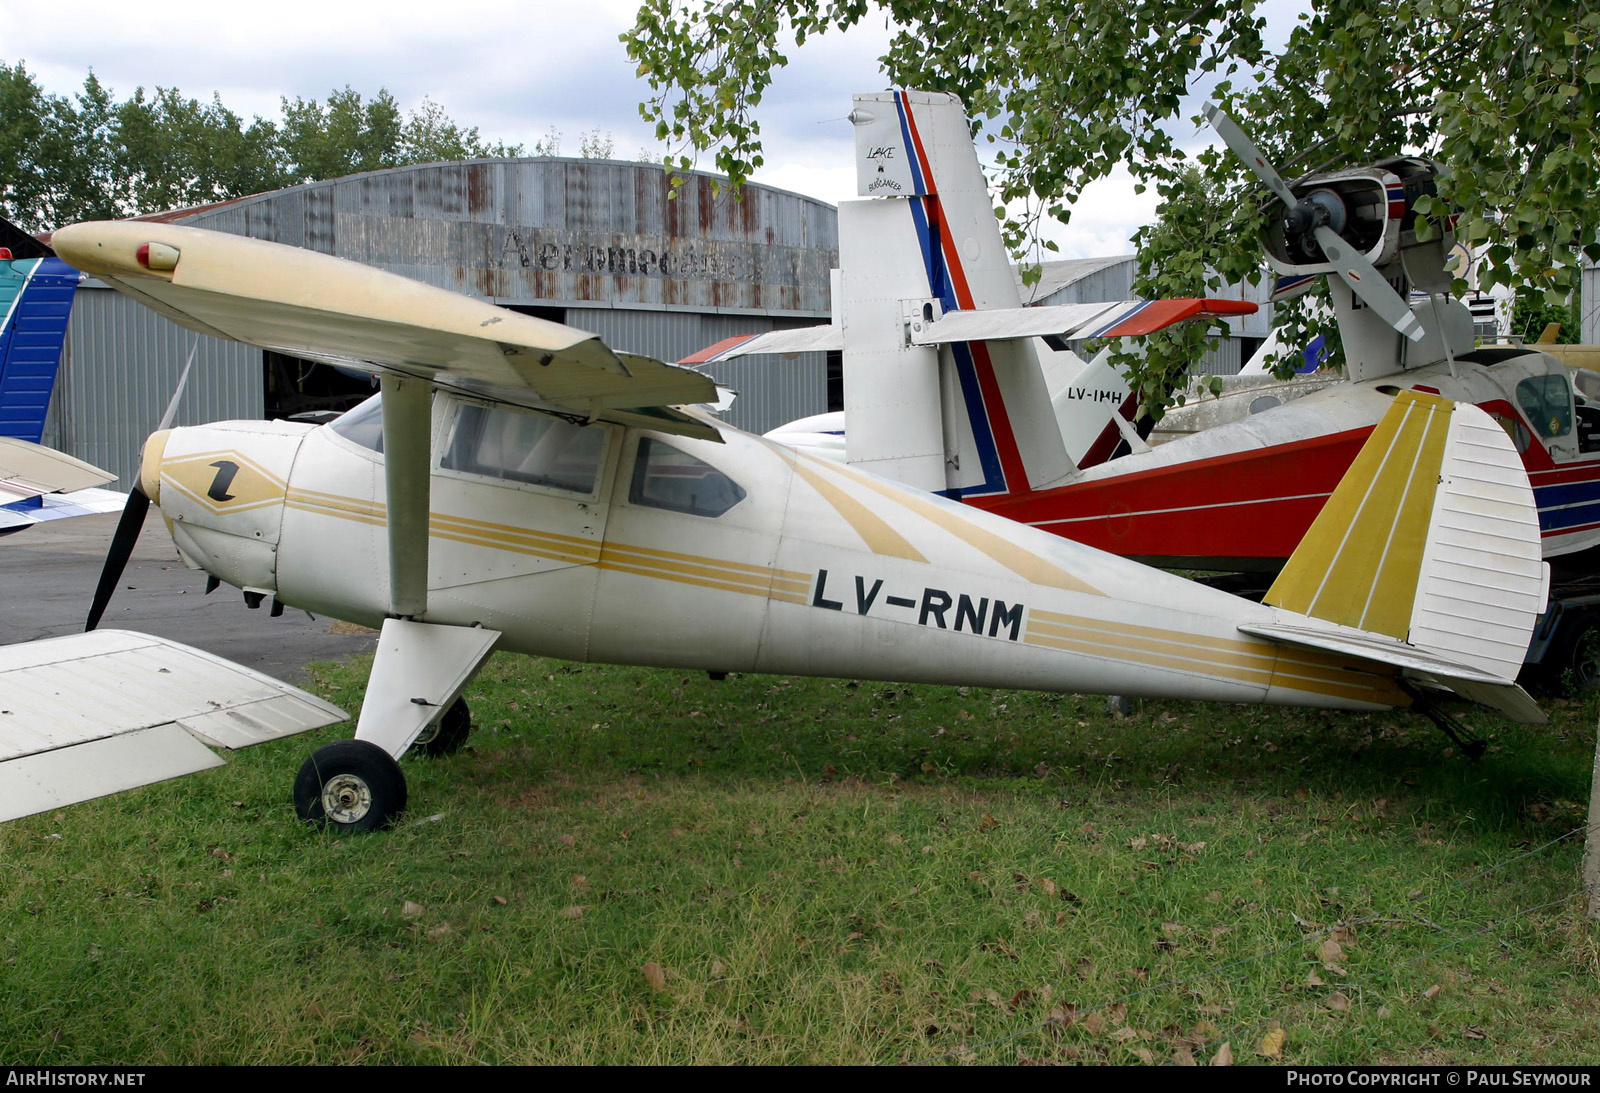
(597, 244)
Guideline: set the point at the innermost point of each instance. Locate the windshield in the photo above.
(362, 425)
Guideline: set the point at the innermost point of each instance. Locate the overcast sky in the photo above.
(514, 70)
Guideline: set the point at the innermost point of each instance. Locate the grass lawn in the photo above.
(635, 866)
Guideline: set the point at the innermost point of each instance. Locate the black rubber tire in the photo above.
(1582, 659)
(349, 786)
(447, 735)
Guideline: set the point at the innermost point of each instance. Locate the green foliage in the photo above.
(1531, 313)
(1504, 93)
(91, 157)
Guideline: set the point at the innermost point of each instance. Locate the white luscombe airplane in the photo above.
(518, 485)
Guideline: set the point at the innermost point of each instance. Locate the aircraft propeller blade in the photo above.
(1351, 264)
(177, 395)
(1245, 148)
(133, 514)
(1367, 283)
(122, 542)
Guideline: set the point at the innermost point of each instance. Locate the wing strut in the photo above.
(407, 460)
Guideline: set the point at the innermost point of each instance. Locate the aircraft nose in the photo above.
(155, 447)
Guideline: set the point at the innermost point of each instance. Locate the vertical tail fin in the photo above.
(997, 432)
(35, 302)
(1426, 556)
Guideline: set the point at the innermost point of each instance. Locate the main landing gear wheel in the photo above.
(350, 785)
(446, 735)
(1583, 658)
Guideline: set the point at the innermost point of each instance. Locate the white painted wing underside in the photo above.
(1483, 579)
(90, 714)
(61, 506)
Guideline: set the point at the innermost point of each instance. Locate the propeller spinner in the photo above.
(1316, 226)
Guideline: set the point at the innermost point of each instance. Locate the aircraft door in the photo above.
(519, 509)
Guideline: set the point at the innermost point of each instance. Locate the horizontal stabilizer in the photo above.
(1416, 664)
(1072, 322)
(804, 339)
(92, 714)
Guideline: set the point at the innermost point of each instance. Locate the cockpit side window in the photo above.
(363, 424)
(535, 449)
(666, 478)
(1547, 400)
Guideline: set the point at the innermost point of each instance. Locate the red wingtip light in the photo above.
(5, 254)
(157, 256)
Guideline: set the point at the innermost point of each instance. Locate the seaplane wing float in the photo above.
(518, 485)
(952, 387)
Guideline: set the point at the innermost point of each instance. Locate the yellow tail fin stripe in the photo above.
(1360, 562)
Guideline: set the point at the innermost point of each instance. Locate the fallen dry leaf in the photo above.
(573, 911)
(411, 910)
(1431, 993)
(1224, 1055)
(1338, 1001)
(1272, 1044)
(655, 975)
(1330, 951)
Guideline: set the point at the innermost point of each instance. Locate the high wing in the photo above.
(91, 714)
(1070, 322)
(324, 308)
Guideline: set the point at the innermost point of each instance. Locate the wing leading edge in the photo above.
(325, 308)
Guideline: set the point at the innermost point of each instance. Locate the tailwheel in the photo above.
(446, 735)
(350, 785)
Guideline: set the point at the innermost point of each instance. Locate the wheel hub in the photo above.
(346, 798)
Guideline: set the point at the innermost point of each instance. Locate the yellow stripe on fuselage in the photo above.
(729, 576)
(1258, 663)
